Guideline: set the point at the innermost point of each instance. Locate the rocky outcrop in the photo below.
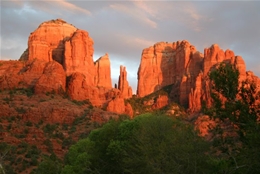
(186, 69)
(53, 79)
(123, 86)
(166, 63)
(103, 73)
(78, 89)
(47, 41)
(72, 48)
(204, 124)
(57, 41)
(78, 55)
(36, 74)
(160, 102)
(118, 105)
(16, 74)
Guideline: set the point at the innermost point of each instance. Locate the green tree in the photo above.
(4, 150)
(236, 104)
(147, 144)
(50, 165)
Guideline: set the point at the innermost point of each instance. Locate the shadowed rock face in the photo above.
(179, 63)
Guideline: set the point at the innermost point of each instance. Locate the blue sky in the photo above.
(124, 28)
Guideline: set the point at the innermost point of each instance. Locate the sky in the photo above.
(124, 28)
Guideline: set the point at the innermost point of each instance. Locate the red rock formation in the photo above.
(126, 90)
(73, 49)
(117, 105)
(62, 42)
(181, 65)
(160, 102)
(78, 56)
(195, 95)
(37, 74)
(203, 124)
(53, 79)
(129, 110)
(165, 64)
(16, 74)
(103, 77)
(78, 89)
(47, 41)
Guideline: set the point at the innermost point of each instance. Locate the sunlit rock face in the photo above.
(47, 41)
(59, 58)
(37, 74)
(180, 64)
(123, 86)
(68, 54)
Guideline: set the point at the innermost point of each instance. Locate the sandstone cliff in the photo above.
(179, 63)
(78, 55)
(47, 41)
(123, 86)
(58, 41)
(103, 73)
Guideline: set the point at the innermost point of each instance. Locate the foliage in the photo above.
(49, 165)
(236, 105)
(225, 80)
(147, 144)
(18, 158)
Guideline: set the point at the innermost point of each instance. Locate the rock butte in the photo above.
(179, 64)
(58, 51)
(59, 58)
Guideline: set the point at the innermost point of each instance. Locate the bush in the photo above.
(29, 123)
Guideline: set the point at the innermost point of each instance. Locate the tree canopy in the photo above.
(235, 106)
(147, 144)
